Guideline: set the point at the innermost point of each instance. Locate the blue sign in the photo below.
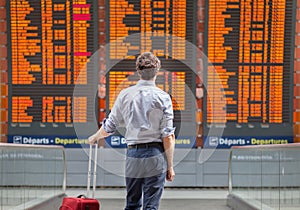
(229, 141)
(116, 141)
(66, 141)
(185, 142)
(113, 141)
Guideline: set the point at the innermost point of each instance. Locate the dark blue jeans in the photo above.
(145, 177)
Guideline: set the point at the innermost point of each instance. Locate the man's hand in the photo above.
(93, 139)
(169, 145)
(170, 174)
(98, 135)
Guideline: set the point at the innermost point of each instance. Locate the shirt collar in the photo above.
(146, 82)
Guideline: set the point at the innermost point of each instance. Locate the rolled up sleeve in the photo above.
(109, 125)
(166, 125)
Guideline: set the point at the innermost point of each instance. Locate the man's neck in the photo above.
(152, 80)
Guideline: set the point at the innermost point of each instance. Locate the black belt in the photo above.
(145, 145)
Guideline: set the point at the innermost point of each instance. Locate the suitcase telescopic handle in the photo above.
(90, 170)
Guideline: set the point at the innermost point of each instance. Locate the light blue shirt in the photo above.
(145, 110)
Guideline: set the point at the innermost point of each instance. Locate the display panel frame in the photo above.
(235, 130)
(51, 130)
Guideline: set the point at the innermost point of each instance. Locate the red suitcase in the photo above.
(83, 202)
(80, 203)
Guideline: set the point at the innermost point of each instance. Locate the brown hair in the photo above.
(147, 65)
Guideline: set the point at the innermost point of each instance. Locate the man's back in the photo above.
(143, 108)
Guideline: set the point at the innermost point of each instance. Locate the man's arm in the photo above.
(109, 124)
(169, 145)
(101, 133)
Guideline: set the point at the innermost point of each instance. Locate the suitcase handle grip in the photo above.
(81, 196)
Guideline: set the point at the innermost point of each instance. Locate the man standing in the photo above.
(147, 114)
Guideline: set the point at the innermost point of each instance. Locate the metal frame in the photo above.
(275, 129)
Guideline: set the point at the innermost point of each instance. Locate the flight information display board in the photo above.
(50, 43)
(250, 47)
(163, 27)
